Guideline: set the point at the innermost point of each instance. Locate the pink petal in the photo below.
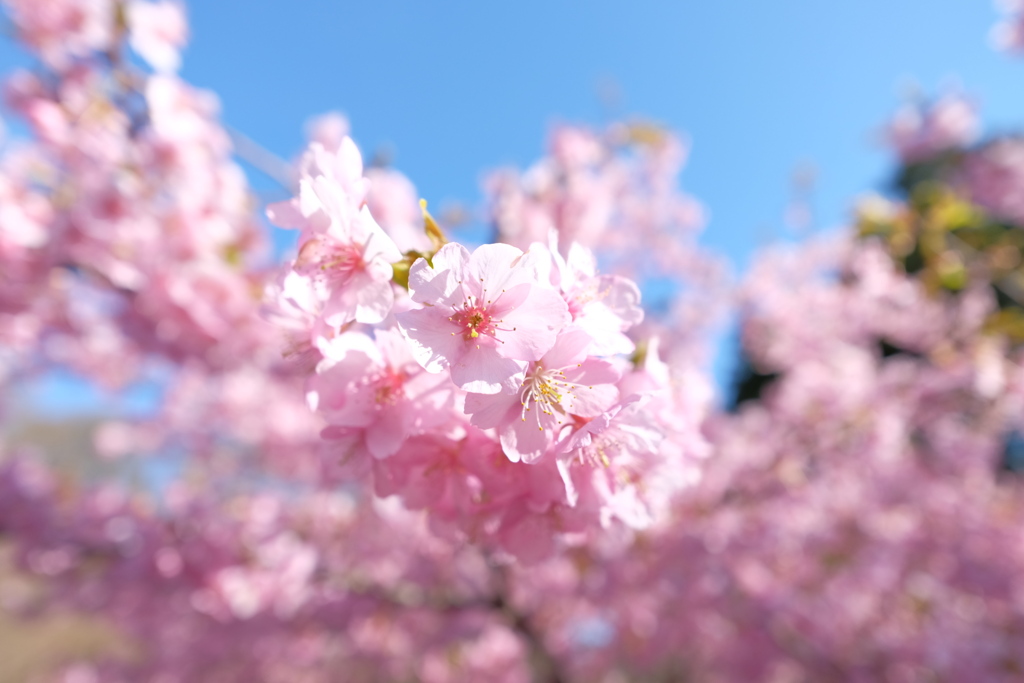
(530, 538)
(350, 161)
(387, 434)
(525, 440)
(430, 335)
(590, 401)
(286, 214)
(439, 284)
(489, 410)
(481, 370)
(537, 323)
(572, 495)
(373, 301)
(494, 264)
(570, 349)
(509, 300)
(378, 244)
(623, 297)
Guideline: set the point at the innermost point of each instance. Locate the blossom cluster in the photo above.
(127, 227)
(1008, 33)
(494, 389)
(254, 587)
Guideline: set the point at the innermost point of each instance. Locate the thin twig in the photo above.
(262, 159)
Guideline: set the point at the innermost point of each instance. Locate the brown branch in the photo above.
(546, 668)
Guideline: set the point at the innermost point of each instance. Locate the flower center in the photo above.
(473, 320)
(333, 262)
(545, 389)
(388, 387)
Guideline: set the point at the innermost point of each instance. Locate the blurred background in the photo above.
(783, 104)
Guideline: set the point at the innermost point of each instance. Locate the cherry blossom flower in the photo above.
(343, 252)
(484, 314)
(608, 457)
(376, 389)
(1008, 33)
(158, 31)
(917, 132)
(603, 306)
(565, 384)
(394, 203)
(62, 30)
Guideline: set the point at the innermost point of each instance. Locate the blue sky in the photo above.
(455, 88)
